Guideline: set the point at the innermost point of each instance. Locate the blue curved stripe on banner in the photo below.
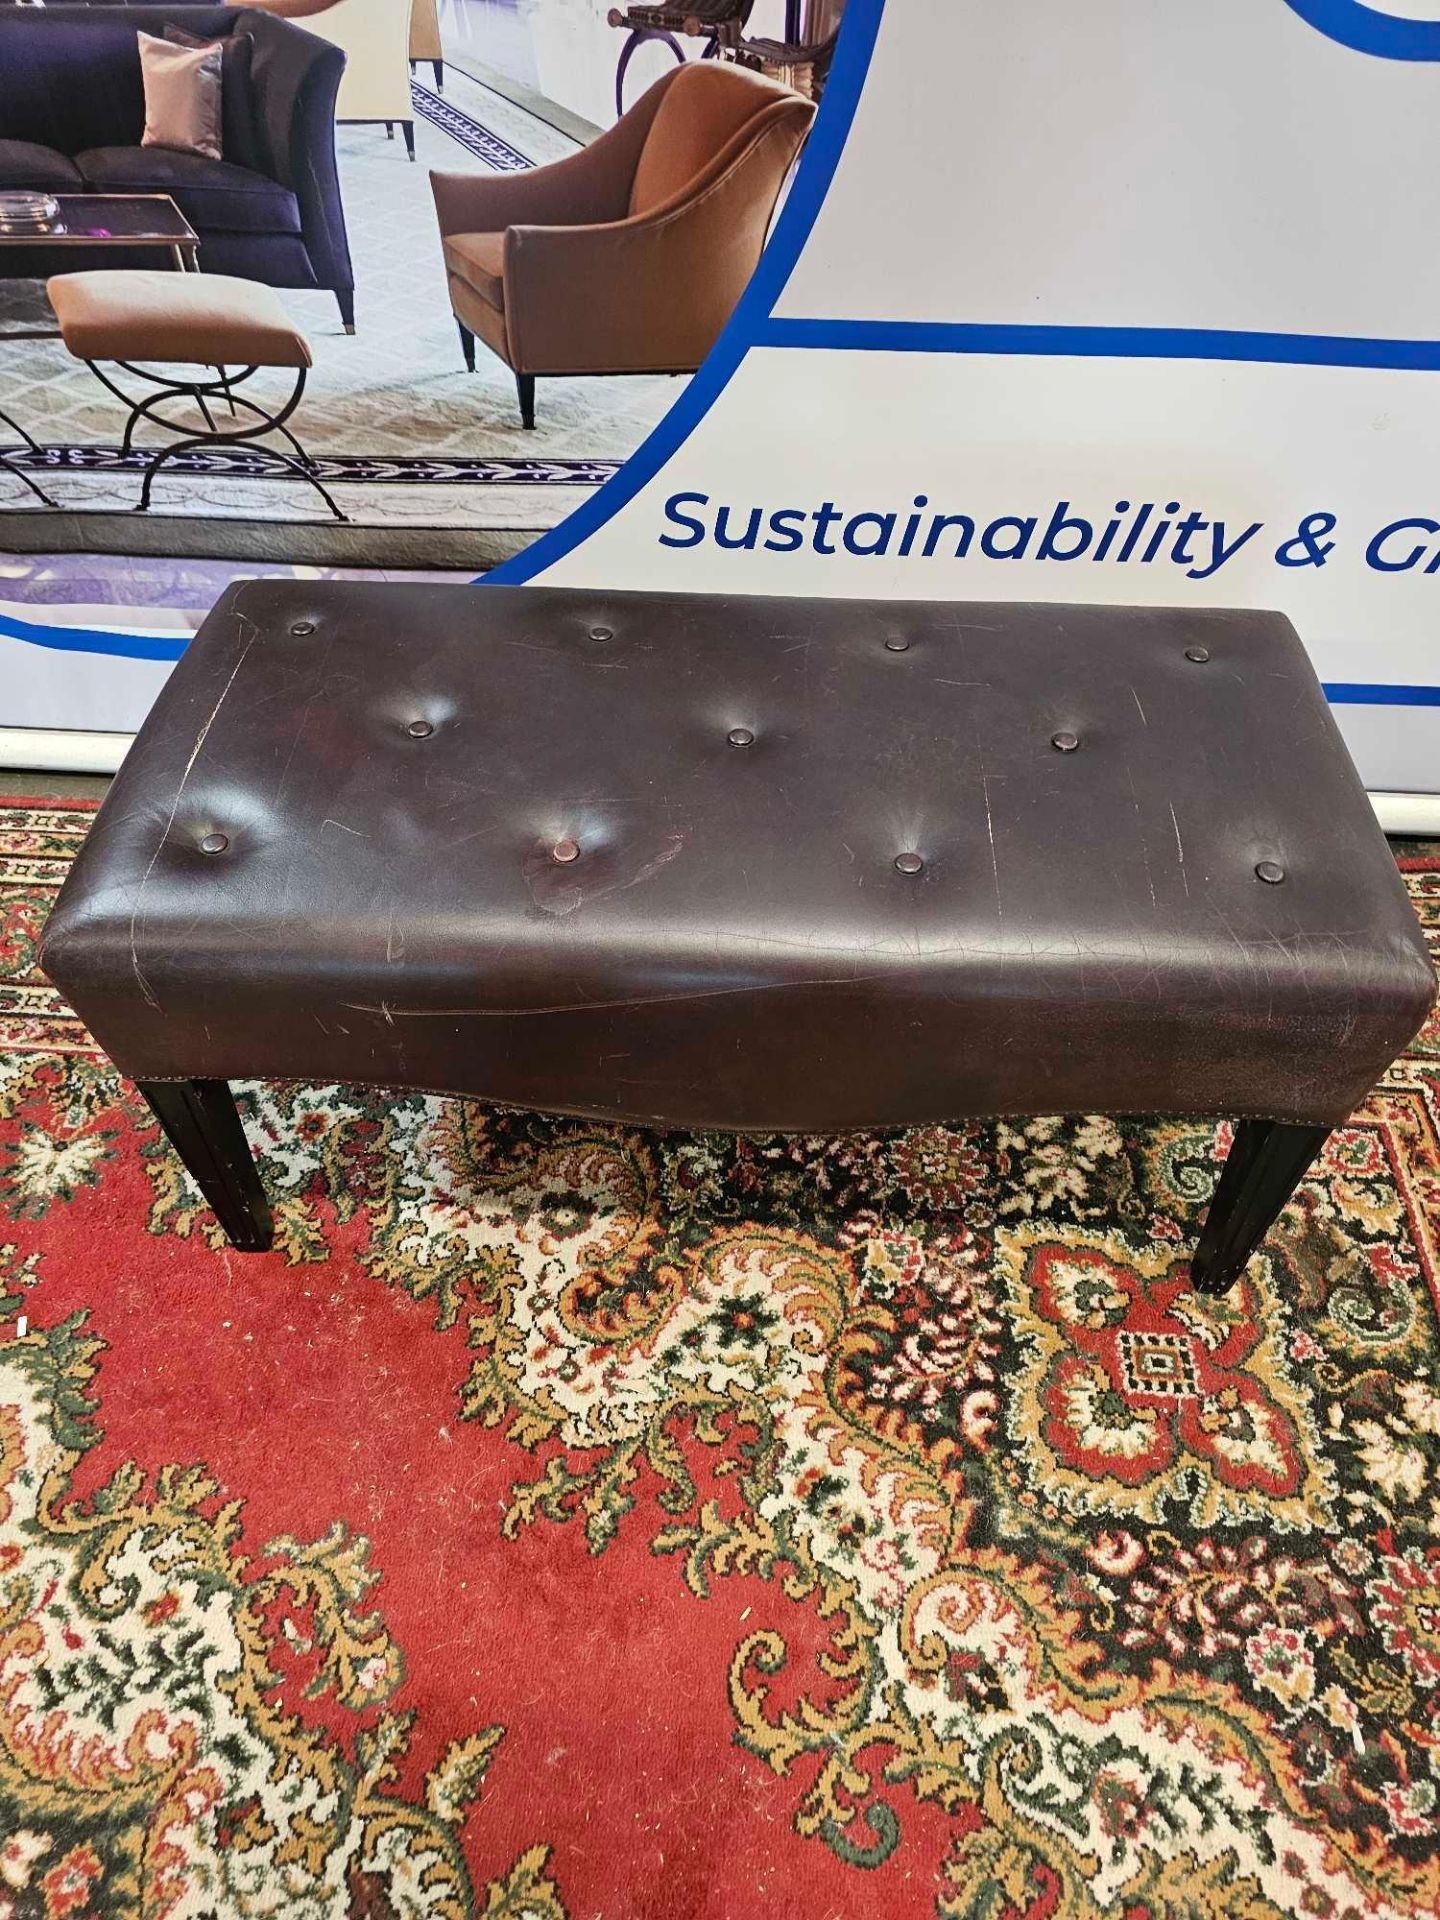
(125, 646)
(1379, 693)
(1127, 343)
(792, 230)
(1365, 30)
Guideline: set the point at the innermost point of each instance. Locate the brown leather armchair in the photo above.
(629, 256)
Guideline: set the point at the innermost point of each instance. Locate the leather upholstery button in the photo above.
(564, 851)
(1198, 654)
(909, 863)
(602, 633)
(1064, 742)
(301, 628)
(214, 843)
(740, 737)
(419, 729)
(1271, 872)
(897, 643)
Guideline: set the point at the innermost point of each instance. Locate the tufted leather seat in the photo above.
(745, 863)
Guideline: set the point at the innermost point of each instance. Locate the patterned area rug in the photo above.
(564, 1521)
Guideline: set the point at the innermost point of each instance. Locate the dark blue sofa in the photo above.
(72, 111)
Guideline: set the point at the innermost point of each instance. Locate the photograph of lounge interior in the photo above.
(425, 394)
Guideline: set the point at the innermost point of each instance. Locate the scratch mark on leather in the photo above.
(316, 694)
(1140, 825)
(1136, 698)
(244, 621)
(328, 822)
(575, 895)
(994, 854)
(392, 1014)
(1180, 849)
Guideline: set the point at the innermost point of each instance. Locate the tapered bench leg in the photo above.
(1267, 1162)
(201, 1123)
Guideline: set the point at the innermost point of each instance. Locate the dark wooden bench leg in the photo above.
(201, 1123)
(1267, 1162)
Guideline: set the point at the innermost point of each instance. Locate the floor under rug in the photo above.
(567, 1522)
(409, 439)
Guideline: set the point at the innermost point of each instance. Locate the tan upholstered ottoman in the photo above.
(232, 328)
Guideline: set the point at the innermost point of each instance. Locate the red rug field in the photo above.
(565, 1523)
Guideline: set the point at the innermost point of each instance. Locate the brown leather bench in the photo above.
(749, 864)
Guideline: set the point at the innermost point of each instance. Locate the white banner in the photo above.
(1127, 302)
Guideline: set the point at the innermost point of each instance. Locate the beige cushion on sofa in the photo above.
(182, 96)
(208, 319)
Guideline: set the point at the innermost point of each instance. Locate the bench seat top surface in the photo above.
(645, 856)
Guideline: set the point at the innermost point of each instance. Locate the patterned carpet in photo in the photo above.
(568, 1521)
